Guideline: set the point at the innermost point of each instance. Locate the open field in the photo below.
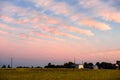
(58, 74)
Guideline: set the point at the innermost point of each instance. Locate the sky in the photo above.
(36, 32)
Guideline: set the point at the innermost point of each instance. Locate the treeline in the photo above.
(8, 66)
(105, 65)
(98, 65)
(49, 65)
(102, 65)
(65, 65)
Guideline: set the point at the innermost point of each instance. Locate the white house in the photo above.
(79, 66)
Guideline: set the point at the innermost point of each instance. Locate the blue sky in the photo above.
(58, 30)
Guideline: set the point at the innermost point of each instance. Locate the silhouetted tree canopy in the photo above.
(66, 65)
(8, 66)
(88, 65)
(118, 62)
(69, 65)
(22, 67)
(106, 65)
(4, 66)
(102, 65)
(50, 65)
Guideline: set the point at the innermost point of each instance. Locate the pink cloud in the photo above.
(87, 4)
(3, 32)
(52, 25)
(54, 31)
(81, 31)
(5, 26)
(50, 21)
(95, 24)
(57, 8)
(100, 8)
(110, 15)
(66, 35)
(9, 9)
(43, 3)
(14, 20)
(7, 19)
(24, 35)
(30, 39)
(42, 35)
(76, 17)
(39, 19)
(61, 8)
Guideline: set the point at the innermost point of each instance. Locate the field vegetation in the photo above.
(58, 74)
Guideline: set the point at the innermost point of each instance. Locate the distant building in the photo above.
(116, 65)
(95, 67)
(79, 66)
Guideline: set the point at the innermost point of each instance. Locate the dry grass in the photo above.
(58, 74)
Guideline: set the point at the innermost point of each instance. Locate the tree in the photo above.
(38, 67)
(106, 65)
(98, 64)
(50, 65)
(4, 66)
(8, 66)
(19, 67)
(88, 65)
(32, 67)
(118, 62)
(85, 65)
(68, 65)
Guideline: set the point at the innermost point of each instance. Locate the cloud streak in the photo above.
(3, 32)
(42, 35)
(95, 24)
(52, 5)
(102, 9)
(46, 22)
(55, 32)
(5, 26)
(80, 31)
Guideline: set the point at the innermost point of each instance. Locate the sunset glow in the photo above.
(35, 32)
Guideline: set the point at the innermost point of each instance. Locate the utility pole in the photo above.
(11, 61)
(82, 62)
(74, 60)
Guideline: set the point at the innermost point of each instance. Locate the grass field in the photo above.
(58, 74)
